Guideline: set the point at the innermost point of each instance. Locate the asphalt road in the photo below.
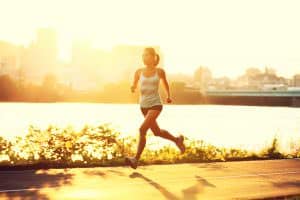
(226, 180)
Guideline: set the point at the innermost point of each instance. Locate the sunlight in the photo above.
(188, 40)
(83, 84)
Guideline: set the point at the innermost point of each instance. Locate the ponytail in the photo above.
(157, 59)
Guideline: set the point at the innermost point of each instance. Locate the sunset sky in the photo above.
(226, 36)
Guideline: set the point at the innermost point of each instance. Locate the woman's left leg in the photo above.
(157, 131)
(149, 118)
(167, 135)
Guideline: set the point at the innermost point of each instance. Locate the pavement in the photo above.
(222, 180)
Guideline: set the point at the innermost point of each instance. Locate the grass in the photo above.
(102, 145)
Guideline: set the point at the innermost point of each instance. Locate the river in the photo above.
(249, 127)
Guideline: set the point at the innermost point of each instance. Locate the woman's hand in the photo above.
(132, 88)
(166, 84)
(169, 100)
(135, 81)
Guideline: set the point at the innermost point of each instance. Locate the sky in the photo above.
(225, 35)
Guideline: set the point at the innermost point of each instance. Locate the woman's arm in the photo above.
(135, 80)
(166, 85)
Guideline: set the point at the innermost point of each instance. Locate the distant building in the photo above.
(281, 87)
(41, 57)
(9, 58)
(203, 78)
(296, 80)
(85, 69)
(242, 82)
(266, 79)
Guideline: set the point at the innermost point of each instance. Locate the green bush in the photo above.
(103, 146)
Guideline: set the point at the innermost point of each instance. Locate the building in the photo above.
(41, 56)
(203, 78)
(90, 67)
(296, 80)
(9, 58)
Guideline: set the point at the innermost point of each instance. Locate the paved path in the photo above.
(227, 180)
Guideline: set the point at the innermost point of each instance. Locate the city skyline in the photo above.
(45, 43)
(192, 33)
(89, 66)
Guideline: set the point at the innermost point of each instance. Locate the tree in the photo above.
(8, 88)
(270, 71)
(49, 82)
(49, 90)
(253, 71)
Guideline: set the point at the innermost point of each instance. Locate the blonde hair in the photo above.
(152, 51)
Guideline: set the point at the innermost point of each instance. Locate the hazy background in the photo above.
(87, 51)
(227, 36)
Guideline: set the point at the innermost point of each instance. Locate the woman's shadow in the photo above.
(28, 183)
(189, 193)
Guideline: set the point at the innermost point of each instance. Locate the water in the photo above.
(247, 127)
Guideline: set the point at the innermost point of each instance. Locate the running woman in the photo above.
(151, 103)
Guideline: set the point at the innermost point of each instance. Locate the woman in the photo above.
(150, 103)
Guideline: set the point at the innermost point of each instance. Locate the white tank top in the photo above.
(149, 95)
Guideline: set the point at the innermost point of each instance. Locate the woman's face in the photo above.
(148, 58)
